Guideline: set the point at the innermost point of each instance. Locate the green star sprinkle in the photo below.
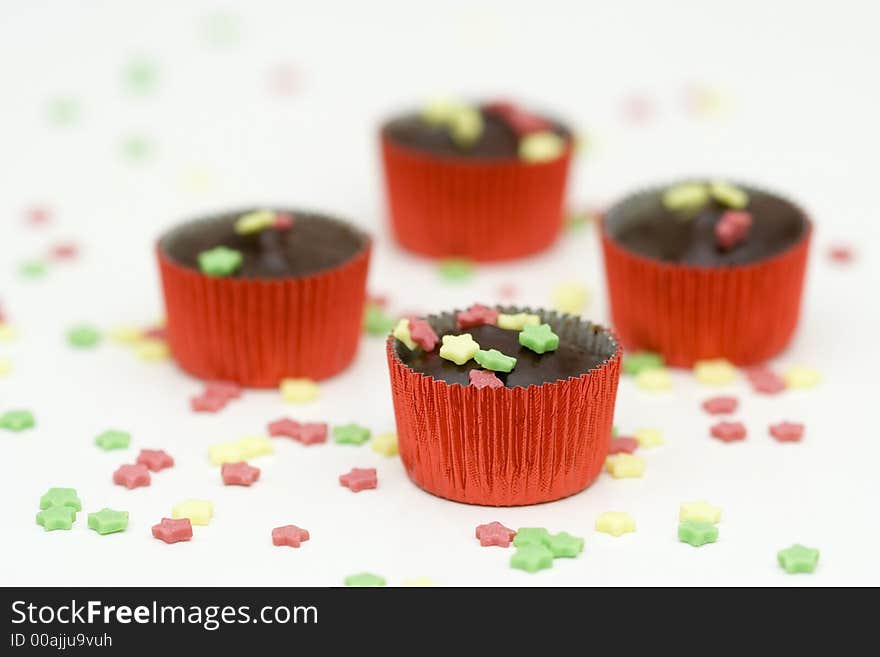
(139, 76)
(17, 420)
(83, 336)
(56, 517)
(113, 439)
(364, 579)
(727, 194)
(137, 148)
(220, 261)
(221, 29)
(798, 559)
(456, 270)
(32, 269)
(613, 430)
(351, 434)
(576, 221)
(494, 360)
(530, 536)
(377, 321)
(564, 544)
(66, 497)
(697, 532)
(539, 339)
(108, 521)
(532, 558)
(63, 111)
(686, 196)
(641, 360)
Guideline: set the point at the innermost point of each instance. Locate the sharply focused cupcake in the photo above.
(503, 406)
(258, 296)
(705, 269)
(457, 175)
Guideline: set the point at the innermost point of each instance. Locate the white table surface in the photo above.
(800, 116)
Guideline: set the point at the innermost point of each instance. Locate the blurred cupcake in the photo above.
(457, 174)
(503, 406)
(255, 297)
(701, 270)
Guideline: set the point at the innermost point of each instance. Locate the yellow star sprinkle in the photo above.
(7, 332)
(225, 453)
(518, 321)
(649, 437)
(420, 581)
(385, 444)
(251, 446)
(441, 110)
(541, 147)
(654, 379)
(199, 512)
(151, 350)
(570, 298)
(624, 466)
(459, 348)
(715, 372)
(401, 332)
(616, 523)
(800, 376)
(700, 511)
(5, 366)
(126, 334)
(299, 391)
(254, 222)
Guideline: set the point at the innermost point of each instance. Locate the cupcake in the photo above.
(258, 296)
(457, 175)
(701, 270)
(503, 406)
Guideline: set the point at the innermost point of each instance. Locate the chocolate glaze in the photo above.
(314, 243)
(642, 224)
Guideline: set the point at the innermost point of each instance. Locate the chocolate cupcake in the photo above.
(702, 269)
(457, 175)
(258, 296)
(503, 406)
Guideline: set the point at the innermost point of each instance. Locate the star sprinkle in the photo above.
(289, 536)
(364, 579)
(787, 432)
(532, 558)
(17, 420)
(526, 536)
(728, 431)
(351, 434)
(539, 339)
(625, 466)
(254, 222)
(476, 315)
(108, 521)
(494, 360)
(155, 460)
(7, 332)
(564, 545)
(5, 366)
(494, 534)
(654, 379)
(541, 147)
(113, 439)
(56, 517)
(385, 444)
(518, 321)
(649, 437)
(228, 452)
(570, 298)
(151, 350)
(521, 121)
(456, 270)
(83, 336)
(798, 559)
(697, 533)
(126, 334)
(376, 320)
(239, 474)
(140, 75)
(173, 530)
(215, 396)
(720, 405)
(220, 261)
(298, 391)
(401, 333)
(252, 446)
(459, 348)
(359, 479)
(686, 197)
(615, 523)
(732, 229)
(307, 433)
(729, 195)
(466, 127)
(623, 445)
(841, 253)
(423, 334)
(419, 581)
(137, 148)
(700, 511)
(132, 476)
(765, 380)
(484, 379)
(199, 512)
(715, 372)
(61, 497)
(32, 269)
(206, 404)
(63, 111)
(641, 360)
(801, 377)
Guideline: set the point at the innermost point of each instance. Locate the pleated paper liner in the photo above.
(744, 313)
(507, 446)
(257, 332)
(485, 210)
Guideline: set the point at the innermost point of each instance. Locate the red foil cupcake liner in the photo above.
(483, 210)
(507, 446)
(744, 313)
(257, 332)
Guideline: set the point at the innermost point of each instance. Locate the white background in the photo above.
(799, 84)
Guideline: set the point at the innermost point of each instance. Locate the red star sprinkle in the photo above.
(173, 531)
(507, 291)
(422, 334)
(283, 220)
(494, 533)
(207, 404)
(307, 433)
(38, 215)
(765, 380)
(239, 474)
(284, 427)
(132, 476)
(289, 535)
(728, 431)
(517, 119)
(732, 229)
(63, 251)
(720, 405)
(155, 459)
(215, 396)
(359, 479)
(484, 379)
(787, 432)
(638, 109)
(155, 332)
(477, 315)
(284, 80)
(624, 444)
(225, 389)
(380, 300)
(840, 253)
